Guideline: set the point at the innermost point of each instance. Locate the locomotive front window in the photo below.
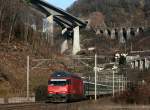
(57, 83)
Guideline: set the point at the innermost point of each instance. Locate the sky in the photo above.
(63, 4)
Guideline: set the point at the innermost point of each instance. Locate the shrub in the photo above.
(41, 93)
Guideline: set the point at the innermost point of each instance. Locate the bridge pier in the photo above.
(76, 40)
(67, 34)
(106, 33)
(51, 34)
(147, 63)
(137, 31)
(64, 45)
(133, 64)
(141, 66)
(136, 64)
(121, 38)
(128, 33)
(113, 34)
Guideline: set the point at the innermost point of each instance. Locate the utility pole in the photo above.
(125, 47)
(28, 71)
(95, 76)
(131, 47)
(119, 84)
(96, 5)
(122, 83)
(113, 79)
(113, 83)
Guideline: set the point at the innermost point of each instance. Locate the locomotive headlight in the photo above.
(63, 92)
(50, 92)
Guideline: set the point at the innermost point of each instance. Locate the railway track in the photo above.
(43, 106)
(19, 106)
(84, 105)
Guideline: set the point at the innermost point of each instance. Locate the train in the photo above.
(65, 86)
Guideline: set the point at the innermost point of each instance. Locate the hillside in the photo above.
(21, 36)
(116, 12)
(113, 14)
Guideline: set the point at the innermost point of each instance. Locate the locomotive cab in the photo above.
(58, 90)
(64, 86)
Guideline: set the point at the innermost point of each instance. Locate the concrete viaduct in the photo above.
(70, 24)
(141, 63)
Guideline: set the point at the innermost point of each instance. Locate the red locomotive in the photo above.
(64, 86)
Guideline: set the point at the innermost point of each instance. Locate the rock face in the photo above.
(96, 20)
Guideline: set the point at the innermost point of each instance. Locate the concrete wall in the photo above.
(16, 100)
